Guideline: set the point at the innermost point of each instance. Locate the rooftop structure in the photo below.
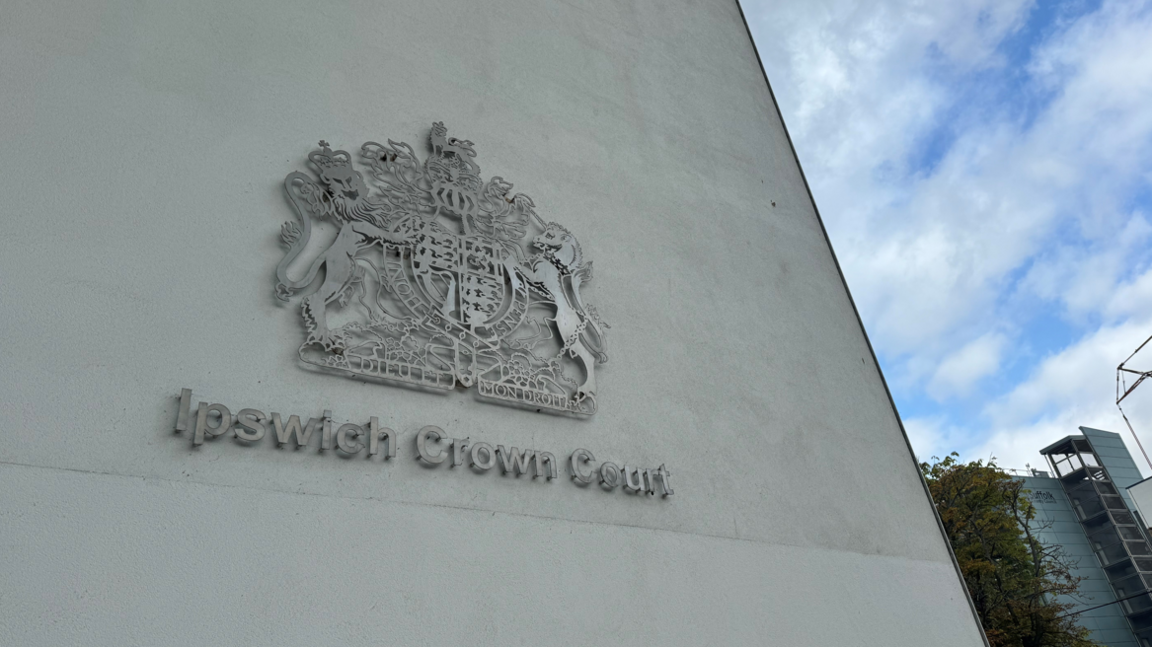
(1083, 505)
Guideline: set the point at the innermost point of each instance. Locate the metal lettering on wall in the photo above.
(433, 446)
(433, 281)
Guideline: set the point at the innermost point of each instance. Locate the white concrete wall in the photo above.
(144, 149)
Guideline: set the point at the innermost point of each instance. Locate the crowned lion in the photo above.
(342, 197)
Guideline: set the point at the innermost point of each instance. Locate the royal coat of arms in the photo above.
(434, 279)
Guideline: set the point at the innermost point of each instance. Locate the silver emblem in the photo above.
(433, 279)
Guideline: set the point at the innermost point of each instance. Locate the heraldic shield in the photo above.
(436, 278)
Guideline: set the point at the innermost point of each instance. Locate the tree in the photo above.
(1020, 586)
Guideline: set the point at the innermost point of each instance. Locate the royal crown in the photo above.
(326, 159)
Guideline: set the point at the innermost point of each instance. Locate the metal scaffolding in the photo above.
(1123, 391)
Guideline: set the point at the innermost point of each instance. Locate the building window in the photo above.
(1127, 604)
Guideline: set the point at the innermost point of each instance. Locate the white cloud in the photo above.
(1025, 210)
(857, 85)
(1132, 299)
(1075, 387)
(926, 436)
(927, 256)
(933, 436)
(1077, 378)
(960, 371)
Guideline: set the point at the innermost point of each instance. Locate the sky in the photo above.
(984, 170)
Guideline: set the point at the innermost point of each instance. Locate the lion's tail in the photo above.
(296, 237)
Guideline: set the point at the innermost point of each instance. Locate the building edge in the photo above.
(864, 331)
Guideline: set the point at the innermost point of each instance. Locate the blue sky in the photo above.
(984, 168)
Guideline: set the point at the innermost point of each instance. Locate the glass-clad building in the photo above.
(1083, 504)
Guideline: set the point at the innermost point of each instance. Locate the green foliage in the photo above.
(1016, 582)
